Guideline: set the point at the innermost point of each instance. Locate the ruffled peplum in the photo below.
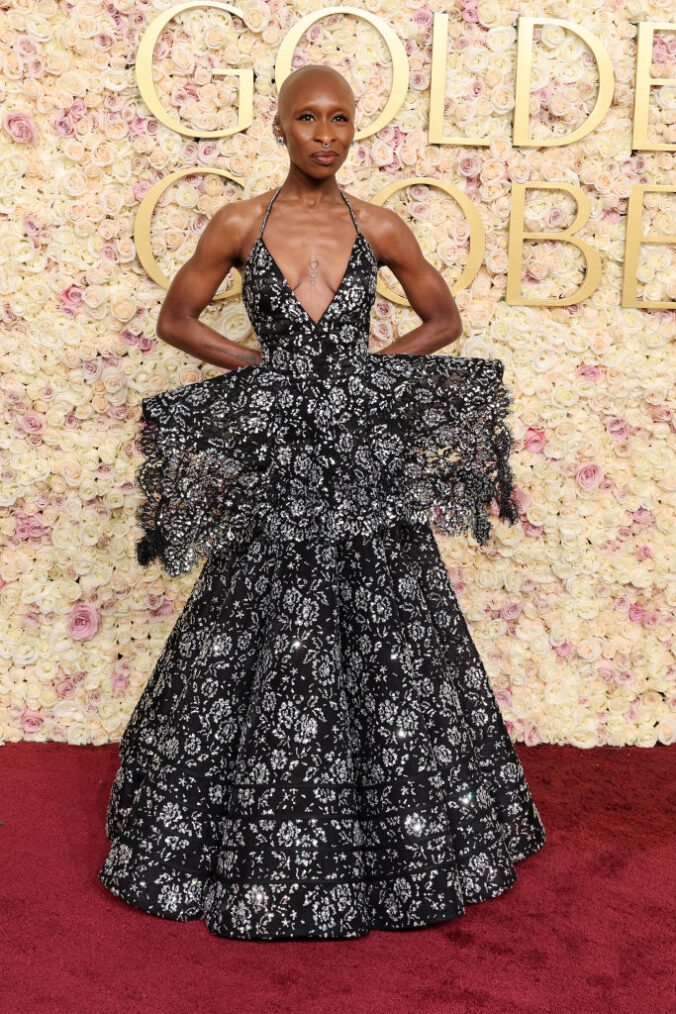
(303, 447)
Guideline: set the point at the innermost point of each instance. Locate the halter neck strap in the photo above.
(351, 211)
(267, 212)
(274, 196)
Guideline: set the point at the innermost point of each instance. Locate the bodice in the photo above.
(289, 338)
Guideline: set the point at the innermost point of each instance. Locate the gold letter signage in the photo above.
(146, 85)
(400, 82)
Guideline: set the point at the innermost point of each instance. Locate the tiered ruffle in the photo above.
(332, 447)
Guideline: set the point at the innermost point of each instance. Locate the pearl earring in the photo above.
(279, 138)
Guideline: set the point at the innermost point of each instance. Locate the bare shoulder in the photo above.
(235, 225)
(382, 227)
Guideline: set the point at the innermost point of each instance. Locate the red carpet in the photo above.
(585, 928)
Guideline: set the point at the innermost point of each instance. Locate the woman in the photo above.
(318, 751)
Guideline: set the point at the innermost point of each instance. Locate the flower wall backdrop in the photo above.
(572, 610)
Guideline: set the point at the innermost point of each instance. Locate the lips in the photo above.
(325, 157)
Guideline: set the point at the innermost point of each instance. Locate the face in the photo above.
(316, 117)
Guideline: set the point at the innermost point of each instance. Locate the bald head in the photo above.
(310, 82)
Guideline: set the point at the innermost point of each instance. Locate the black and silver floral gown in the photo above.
(318, 751)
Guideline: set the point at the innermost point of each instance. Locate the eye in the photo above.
(303, 115)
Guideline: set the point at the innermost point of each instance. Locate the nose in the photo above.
(324, 132)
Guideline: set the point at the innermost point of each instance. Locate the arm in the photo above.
(424, 286)
(195, 284)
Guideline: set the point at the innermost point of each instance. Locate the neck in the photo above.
(301, 187)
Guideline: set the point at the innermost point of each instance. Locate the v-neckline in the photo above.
(285, 282)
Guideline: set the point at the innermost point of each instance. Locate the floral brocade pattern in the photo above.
(318, 751)
(323, 437)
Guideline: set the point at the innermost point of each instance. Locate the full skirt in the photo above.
(318, 751)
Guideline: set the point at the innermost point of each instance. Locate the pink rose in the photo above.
(63, 124)
(588, 476)
(78, 109)
(419, 80)
(137, 126)
(592, 371)
(31, 719)
(554, 217)
(36, 527)
(207, 151)
(166, 40)
(91, 369)
(534, 440)
(643, 516)
(33, 422)
(422, 17)
(65, 688)
(83, 621)
(21, 529)
(26, 46)
(71, 297)
(399, 136)
(617, 428)
(468, 164)
(636, 612)
(199, 222)
(562, 650)
(510, 610)
(188, 155)
(140, 189)
(660, 50)
(21, 127)
(504, 697)
(103, 41)
(120, 681)
(606, 671)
